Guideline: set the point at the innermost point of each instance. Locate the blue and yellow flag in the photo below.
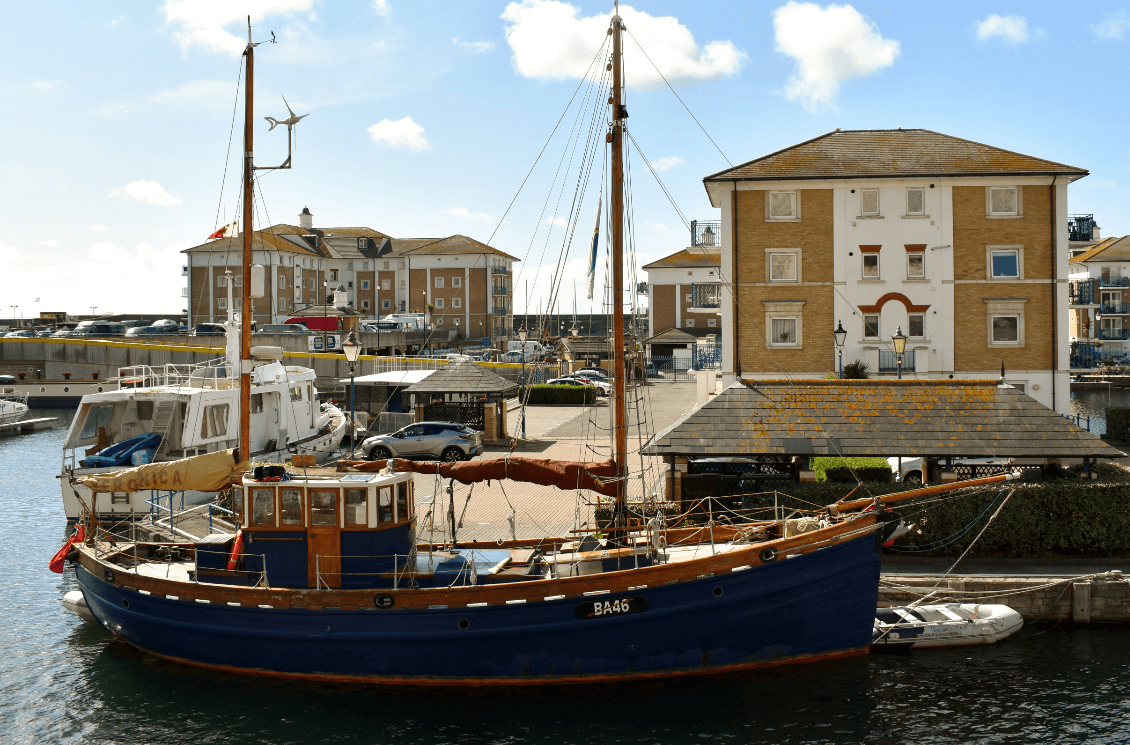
(592, 253)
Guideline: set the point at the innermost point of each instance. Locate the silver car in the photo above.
(427, 440)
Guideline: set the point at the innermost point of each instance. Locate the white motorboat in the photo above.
(943, 625)
(13, 406)
(75, 602)
(179, 411)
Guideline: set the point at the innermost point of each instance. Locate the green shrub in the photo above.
(1118, 423)
(821, 465)
(561, 395)
(856, 370)
(867, 474)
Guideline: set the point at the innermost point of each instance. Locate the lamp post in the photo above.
(899, 340)
(840, 336)
(525, 383)
(352, 351)
(325, 303)
(14, 314)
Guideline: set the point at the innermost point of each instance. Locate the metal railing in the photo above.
(1114, 334)
(1080, 227)
(400, 571)
(706, 296)
(1114, 282)
(1082, 292)
(261, 582)
(1114, 309)
(888, 361)
(498, 290)
(499, 270)
(199, 375)
(499, 311)
(706, 233)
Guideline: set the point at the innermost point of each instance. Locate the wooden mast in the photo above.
(245, 314)
(619, 424)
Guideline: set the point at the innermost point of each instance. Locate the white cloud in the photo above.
(200, 93)
(49, 242)
(117, 21)
(466, 214)
(401, 133)
(10, 255)
(114, 109)
(831, 45)
(96, 228)
(550, 42)
(476, 47)
(202, 23)
(46, 85)
(1112, 26)
(666, 164)
(383, 8)
(559, 221)
(1009, 29)
(147, 192)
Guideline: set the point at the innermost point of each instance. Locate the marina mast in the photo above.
(245, 314)
(619, 424)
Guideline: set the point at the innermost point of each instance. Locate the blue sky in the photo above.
(425, 117)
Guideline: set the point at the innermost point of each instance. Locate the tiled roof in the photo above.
(672, 336)
(452, 245)
(887, 153)
(1109, 249)
(462, 377)
(937, 418)
(260, 240)
(689, 257)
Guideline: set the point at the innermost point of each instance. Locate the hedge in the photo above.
(565, 395)
(1118, 423)
(845, 475)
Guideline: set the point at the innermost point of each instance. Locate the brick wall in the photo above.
(417, 284)
(813, 233)
(663, 307)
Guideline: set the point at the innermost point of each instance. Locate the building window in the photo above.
(385, 304)
(712, 322)
(364, 266)
(333, 275)
(282, 303)
(439, 322)
(916, 325)
(782, 332)
(1004, 201)
(871, 266)
(690, 298)
(439, 302)
(1005, 318)
(456, 281)
(782, 205)
(916, 265)
(783, 267)
(871, 326)
(365, 304)
(456, 302)
(364, 284)
(222, 303)
(349, 284)
(386, 284)
(690, 323)
(1005, 263)
(1110, 329)
(869, 202)
(439, 283)
(386, 265)
(916, 201)
(1006, 329)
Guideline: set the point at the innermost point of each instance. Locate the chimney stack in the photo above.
(306, 219)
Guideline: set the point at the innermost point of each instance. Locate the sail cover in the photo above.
(209, 472)
(599, 476)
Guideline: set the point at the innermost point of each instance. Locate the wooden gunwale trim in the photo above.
(533, 590)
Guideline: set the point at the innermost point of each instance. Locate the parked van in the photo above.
(318, 323)
(532, 350)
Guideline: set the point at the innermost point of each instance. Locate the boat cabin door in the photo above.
(324, 538)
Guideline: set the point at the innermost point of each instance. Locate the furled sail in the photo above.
(599, 476)
(209, 472)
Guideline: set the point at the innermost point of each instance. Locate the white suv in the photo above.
(912, 470)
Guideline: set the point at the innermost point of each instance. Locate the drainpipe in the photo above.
(1055, 290)
(734, 278)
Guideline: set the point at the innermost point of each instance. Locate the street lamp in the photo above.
(525, 383)
(14, 314)
(899, 340)
(352, 351)
(840, 336)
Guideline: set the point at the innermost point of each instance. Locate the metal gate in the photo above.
(671, 369)
(470, 413)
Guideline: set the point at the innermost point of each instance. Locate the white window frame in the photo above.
(770, 253)
(333, 275)
(770, 217)
(915, 253)
(688, 323)
(863, 211)
(456, 282)
(690, 298)
(990, 250)
(282, 303)
(774, 342)
(456, 302)
(863, 266)
(364, 304)
(784, 309)
(386, 304)
(1019, 212)
(439, 302)
(712, 322)
(878, 325)
(438, 283)
(386, 284)
(1003, 308)
(908, 326)
(921, 212)
(364, 284)
(222, 303)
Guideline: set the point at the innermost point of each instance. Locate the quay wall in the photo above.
(1091, 599)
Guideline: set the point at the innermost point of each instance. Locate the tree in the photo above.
(856, 370)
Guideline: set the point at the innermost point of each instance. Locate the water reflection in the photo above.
(1094, 403)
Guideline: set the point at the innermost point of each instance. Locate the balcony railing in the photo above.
(498, 290)
(1114, 309)
(1114, 334)
(1085, 354)
(706, 296)
(1080, 227)
(888, 361)
(1114, 282)
(498, 270)
(1082, 292)
(499, 310)
(706, 233)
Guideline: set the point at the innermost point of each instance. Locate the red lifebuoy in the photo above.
(236, 550)
(59, 560)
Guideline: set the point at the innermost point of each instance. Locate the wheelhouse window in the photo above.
(915, 201)
(290, 502)
(385, 512)
(97, 418)
(871, 326)
(916, 265)
(356, 507)
(263, 507)
(215, 421)
(782, 205)
(402, 511)
(869, 202)
(782, 267)
(323, 507)
(1004, 201)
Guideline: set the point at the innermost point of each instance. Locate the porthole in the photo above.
(768, 554)
(99, 389)
(108, 574)
(125, 603)
(717, 592)
(464, 624)
(66, 389)
(42, 389)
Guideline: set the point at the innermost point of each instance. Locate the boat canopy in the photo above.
(208, 472)
(597, 476)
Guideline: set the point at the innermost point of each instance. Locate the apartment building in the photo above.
(459, 281)
(1099, 298)
(684, 290)
(962, 246)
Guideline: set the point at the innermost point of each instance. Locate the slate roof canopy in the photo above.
(672, 336)
(1110, 249)
(463, 377)
(909, 418)
(697, 256)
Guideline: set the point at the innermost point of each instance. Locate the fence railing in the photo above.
(1114, 334)
(888, 361)
(499, 270)
(1082, 292)
(1114, 282)
(1114, 309)
(1080, 227)
(498, 290)
(706, 232)
(706, 295)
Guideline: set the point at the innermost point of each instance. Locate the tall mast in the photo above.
(619, 424)
(245, 315)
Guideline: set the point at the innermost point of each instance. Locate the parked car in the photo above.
(602, 388)
(913, 468)
(135, 324)
(510, 357)
(428, 440)
(61, 333)
(21, 334)
(282, 328)
(136, 331)
(598, 373)
(100, 329)
(45, 333)
(209, 329)
(164, 326)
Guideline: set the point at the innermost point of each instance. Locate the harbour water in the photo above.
(62, 680)
(1093, 404)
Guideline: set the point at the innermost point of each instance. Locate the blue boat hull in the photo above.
(817, 605)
